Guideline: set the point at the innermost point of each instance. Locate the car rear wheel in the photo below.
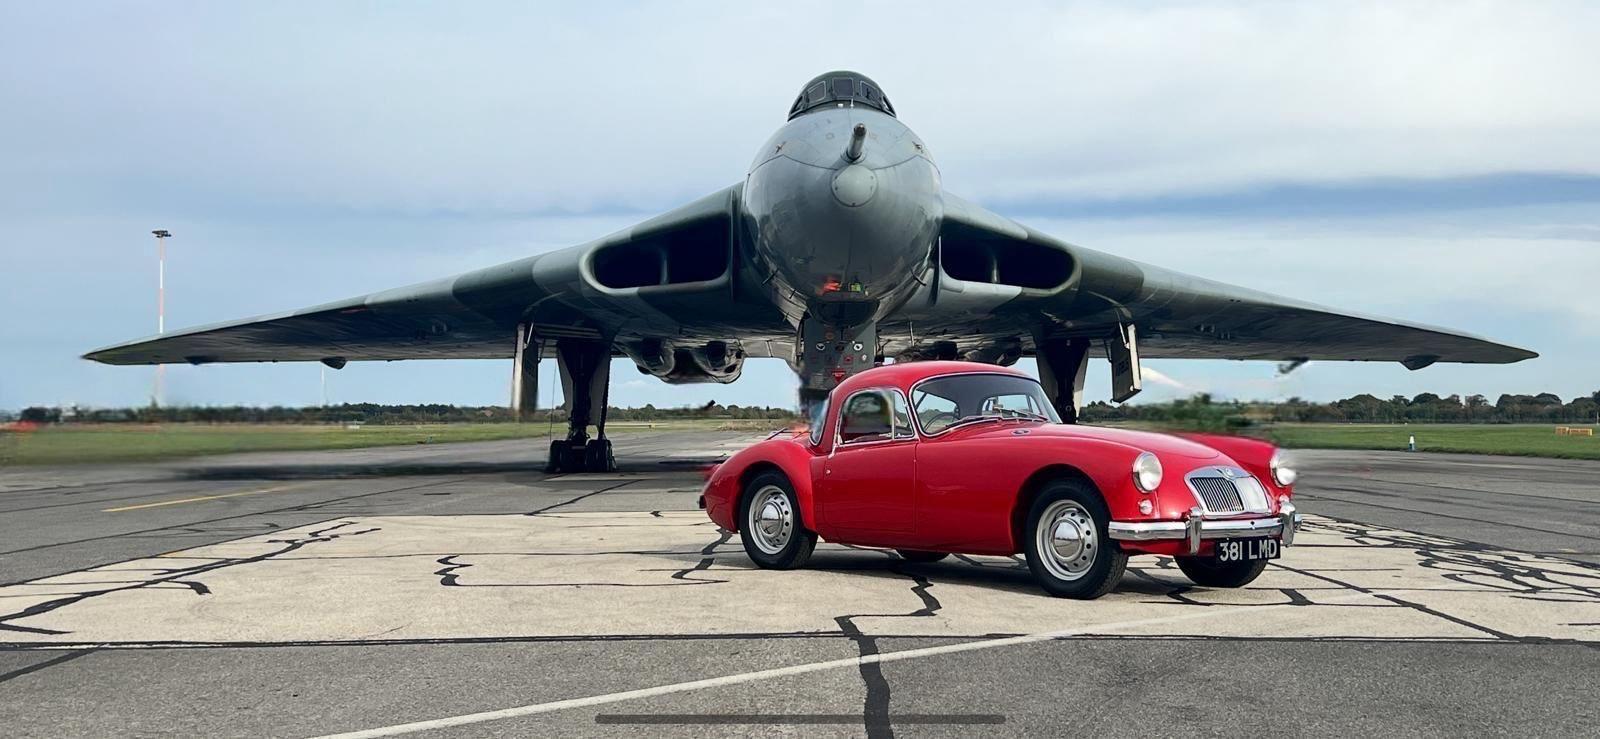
(1210, 573)
(913, 555)
(770, 527)
(1067, 543)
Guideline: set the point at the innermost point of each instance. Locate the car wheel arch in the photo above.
(1034, 485)
(802, 490)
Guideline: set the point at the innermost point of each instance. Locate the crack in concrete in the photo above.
(449, 578)
(875, 708)
(176, 577)
(1480, 567)
(707, 557)
(191, 526)
(46, 664)
(554, 506)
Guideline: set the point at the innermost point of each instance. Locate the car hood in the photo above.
(1161, 444)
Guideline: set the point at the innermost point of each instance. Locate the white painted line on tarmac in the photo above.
(780, 672)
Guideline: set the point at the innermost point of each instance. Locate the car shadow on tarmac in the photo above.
(993, 573)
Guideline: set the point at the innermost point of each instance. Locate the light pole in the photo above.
(161, 301)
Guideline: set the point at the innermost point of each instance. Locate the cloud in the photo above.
(1433, 162)
(512, 108)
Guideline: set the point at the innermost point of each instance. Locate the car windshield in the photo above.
(943, 402)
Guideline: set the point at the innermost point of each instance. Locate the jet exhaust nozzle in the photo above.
(858, 142)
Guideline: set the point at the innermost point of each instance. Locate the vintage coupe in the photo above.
(931, 458)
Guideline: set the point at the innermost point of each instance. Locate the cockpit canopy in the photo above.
(841, 89)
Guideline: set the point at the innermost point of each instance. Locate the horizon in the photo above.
(1565, 401)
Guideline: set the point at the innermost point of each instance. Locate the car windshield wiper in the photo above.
(973, 419)
(1027, 415)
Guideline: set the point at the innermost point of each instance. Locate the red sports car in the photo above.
(930, 458)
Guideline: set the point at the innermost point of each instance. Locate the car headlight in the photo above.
(1147, 472)
(1282, 473)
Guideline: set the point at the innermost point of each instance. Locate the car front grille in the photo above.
(1233, 492)
(1217, 494)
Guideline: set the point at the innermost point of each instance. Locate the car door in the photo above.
(868, 480)
(959, 507)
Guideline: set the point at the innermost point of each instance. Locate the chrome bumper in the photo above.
(1195, 528)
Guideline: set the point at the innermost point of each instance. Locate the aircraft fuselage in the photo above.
(840, 238)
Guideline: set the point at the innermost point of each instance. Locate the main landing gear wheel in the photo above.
(595, 455)
(770, 526)
(558, 457)
(1067, 543)
(913, 555)
(1208, 572)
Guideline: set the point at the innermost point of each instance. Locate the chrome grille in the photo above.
(1252, 494)
(1217, 494)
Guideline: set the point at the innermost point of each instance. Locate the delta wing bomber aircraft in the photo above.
(839, 249)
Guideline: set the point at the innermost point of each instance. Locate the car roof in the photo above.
(905, 374)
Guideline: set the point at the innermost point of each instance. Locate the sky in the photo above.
(1436, 162)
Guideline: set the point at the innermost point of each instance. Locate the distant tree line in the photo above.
(1203, 411)
(377, 414)
(1199, 411)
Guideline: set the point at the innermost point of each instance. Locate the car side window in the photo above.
(819, 418)
(902, 417)
(934, 412)
(866, 416)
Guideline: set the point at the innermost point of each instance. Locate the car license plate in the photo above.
(1246, 550)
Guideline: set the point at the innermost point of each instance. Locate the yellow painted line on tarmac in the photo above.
(180, 501)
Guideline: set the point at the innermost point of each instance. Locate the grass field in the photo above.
(1516, 440)
(89, 443)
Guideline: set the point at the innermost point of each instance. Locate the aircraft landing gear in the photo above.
(581, 455)
(585, 374)
(1063, 365)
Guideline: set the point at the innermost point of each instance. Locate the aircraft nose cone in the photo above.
(854, 185)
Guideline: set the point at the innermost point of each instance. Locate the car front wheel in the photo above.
(1208, 572)
(1067, 542)
(770, 527)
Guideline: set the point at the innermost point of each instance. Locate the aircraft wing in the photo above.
(673, 276)
(999, 277)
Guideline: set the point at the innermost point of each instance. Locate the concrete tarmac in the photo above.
(457, 590)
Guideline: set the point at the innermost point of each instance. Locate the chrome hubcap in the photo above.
(771, 519)
(1067, 540)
